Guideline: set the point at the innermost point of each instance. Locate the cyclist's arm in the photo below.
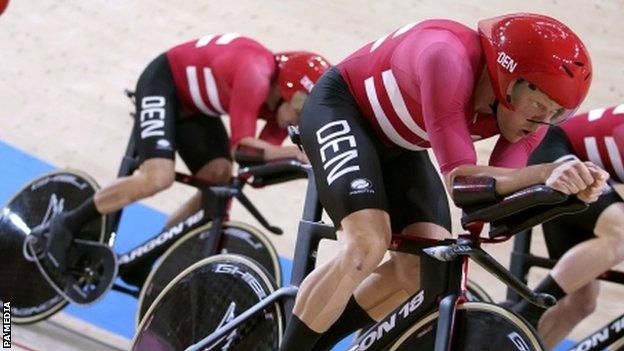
(271, 152)
(269, 141)
(515, 155)
(508, 180)
(273, 133)
(444, 109)
(249, 92)
(507, 165)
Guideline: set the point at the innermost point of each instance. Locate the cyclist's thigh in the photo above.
(156, 110)
(342, 149)
(609, 223)
(201, 139)
(415, 192)
(565, 232)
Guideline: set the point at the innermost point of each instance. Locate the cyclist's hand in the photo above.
(570, 177)
(593, 192)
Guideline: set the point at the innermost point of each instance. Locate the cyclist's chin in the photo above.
(513, 135)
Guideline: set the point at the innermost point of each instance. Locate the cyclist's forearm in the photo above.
(507, 180)
(271, 152)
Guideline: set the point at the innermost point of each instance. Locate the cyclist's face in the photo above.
(533, 109)
(288, 112)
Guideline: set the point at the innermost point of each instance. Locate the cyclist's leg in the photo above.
(324, 293)
(586, 244)
(589, 259)
(343, 153)
(413, 189)
(417, 202)
(559, 320)
(397, 279)
(153, 176)
(203, 144)
(156, 111)
(156, 103)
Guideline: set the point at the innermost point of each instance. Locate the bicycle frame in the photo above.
(445, 281)
(521, 262)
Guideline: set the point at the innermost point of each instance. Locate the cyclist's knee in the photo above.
(610, 226)
(159, 181)
(364, 239)
(362, 256)
(216, 171)
(156, 176)
(615, 252)
(618, 243)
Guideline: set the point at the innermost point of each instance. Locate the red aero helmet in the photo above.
(3, 5)
(539, 49)
(298, 71)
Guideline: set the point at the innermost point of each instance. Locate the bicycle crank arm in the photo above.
(205, 343)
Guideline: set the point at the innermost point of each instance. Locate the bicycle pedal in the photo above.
(33, 249)
(90, 272)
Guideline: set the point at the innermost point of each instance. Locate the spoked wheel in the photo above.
(237, 238)
(32, 299)
(479, 326)
(206, 296)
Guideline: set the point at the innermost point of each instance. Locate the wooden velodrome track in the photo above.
(65, 64)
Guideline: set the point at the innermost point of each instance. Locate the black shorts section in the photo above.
(415, 191)
(156, 110)
(565, 232)
(354, 170)
(201, 139)
(554, 146)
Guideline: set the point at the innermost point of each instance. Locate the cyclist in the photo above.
(435, 84)
(179, 98)
(589, 243)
